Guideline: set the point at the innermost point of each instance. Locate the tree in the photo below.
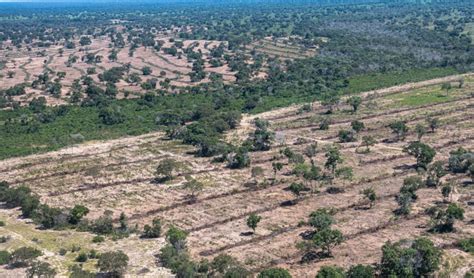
(85, 41)
(357, 126)
(296, 189)
(147, 71)
(368, 141)
(433, 123)
(256, 172)
(331, 272)
(361, 271)
(346, 136)
(40, 269)
(446, 87)
(113, 263)
(77, 213)
(326, 239)
(435, 172)
(277, 166)
(442, 221)
(274, 273)
(310, 152)
(23, 256)
(253, 220)
(355, 102)
(193, 186)
(420, 259)
(369, 194)
(407, 194)
(400, 129)
(333, 157)
(123, 222)
(423, 153)
(420, 131)
(164, 170)
(446, 192)
(10, 74)
(320, 219)
(153, 231)
(176, 237)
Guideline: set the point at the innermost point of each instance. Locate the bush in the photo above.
(23, 256)
(467, 245)
(40, 269)
(5, 257)
(153, 231)
(113, 263)
(98, 239)
(2, 223)
(81, 258)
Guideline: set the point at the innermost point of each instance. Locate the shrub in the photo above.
(113, 263)
(23, 256)
(40, 269)
(82, 257)
(98, 239)
(274, 273)
(5, 257)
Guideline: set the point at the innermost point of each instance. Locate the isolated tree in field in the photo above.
(328, 271)
(400, 129)
(164, 171)
(423, 153)
(333, 158)
(326, 239)
(433, 123)
(357, 126)
(310, 152)
(442, 220)
(330, 101)
(85, 41)
(369, 195)
(113, 263)
(262, 138)
(320, 219)
(355, 102)
(346, 136)
(253, 220)
(407, 194)
(446, 87)
(420, 131)
(153, 231)
(296, 189)
(446, 192)
(40, 269)
(123, 221)
(77, 213)
(325, 123)
(193, 186)
(276, 166)
(176, 237)
(368, 141)
(147, 71)
(274, 273)
(435, 172)
(256, 172)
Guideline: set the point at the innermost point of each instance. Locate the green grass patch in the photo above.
(421, 96)
(367, 82)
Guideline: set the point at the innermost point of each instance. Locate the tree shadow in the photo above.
(313, 256)
(246, 233)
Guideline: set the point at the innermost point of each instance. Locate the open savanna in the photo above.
(119, 175)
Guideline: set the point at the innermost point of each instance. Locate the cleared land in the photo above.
(118, 175)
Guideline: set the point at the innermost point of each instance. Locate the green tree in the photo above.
(369, 195)
(361, 271)
(253, 220)
(40, 269)
(153, 231)
(320, 219)
(368, 141)
(274, 273)
(113, 263)
(164, 170)
(433, 123)
(443, 220)
(355, 102)
(24, 256)
(326, 239)
(176, 237)
(297, 189)
(446, 87)
(421, 259)
(331, 272)
(276, 166)
(435, 172)
(357, 126)
(423, 153)
(420, 131)
(333, 158)
(400, 129)
(446, 191)
(193, 186)
(77, 213)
